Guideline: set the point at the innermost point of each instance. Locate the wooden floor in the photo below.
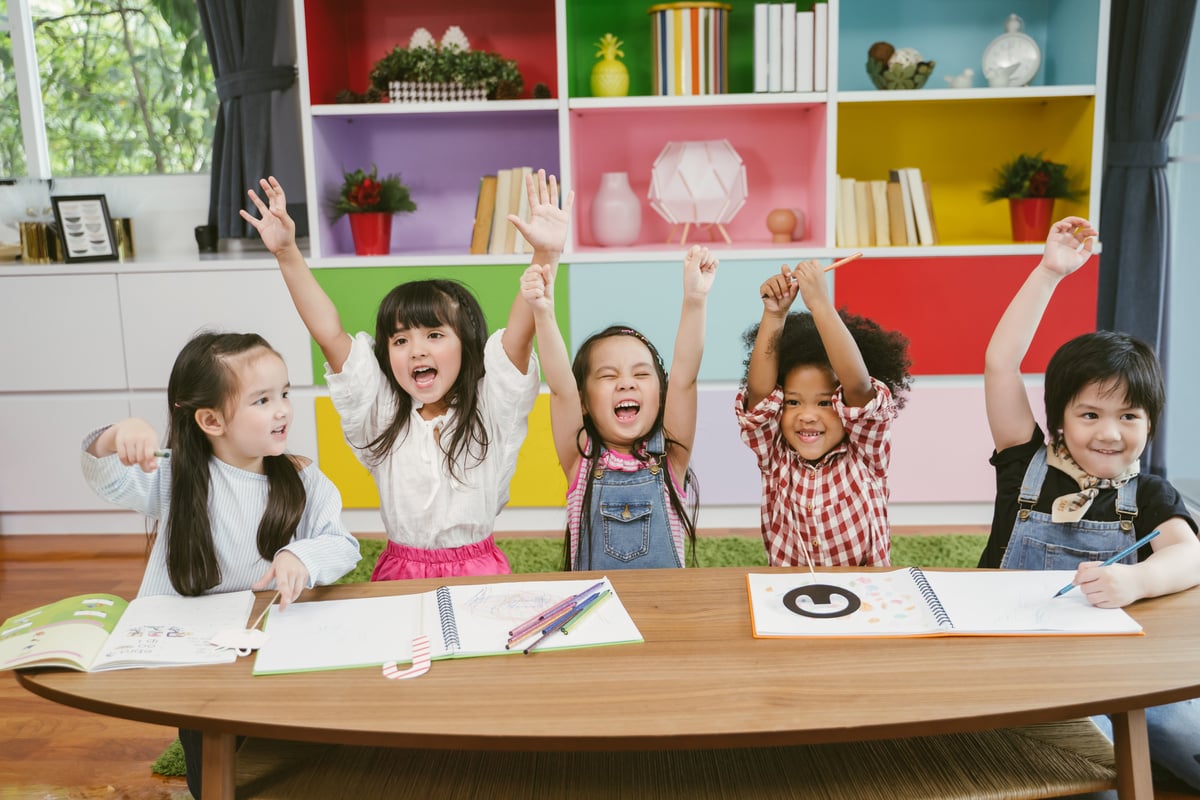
(52, 752)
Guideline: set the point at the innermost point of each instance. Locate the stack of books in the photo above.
(791, 48)
(500, 195)
(897, 212)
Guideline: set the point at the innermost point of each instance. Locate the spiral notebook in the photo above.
(460, 621)
(914, 602)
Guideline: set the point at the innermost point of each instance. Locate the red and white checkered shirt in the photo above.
(835, 508)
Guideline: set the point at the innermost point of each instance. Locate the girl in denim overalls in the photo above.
(623, 431)
(1074, 502)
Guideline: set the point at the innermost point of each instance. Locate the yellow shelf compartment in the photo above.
(958, 145)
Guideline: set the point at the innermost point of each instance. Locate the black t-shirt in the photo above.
(1157, 500)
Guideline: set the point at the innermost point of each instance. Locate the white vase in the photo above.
(616, 211)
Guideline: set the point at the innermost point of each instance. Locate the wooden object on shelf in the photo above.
(485, 207)
(781, 222)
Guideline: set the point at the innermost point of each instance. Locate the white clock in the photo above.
(1013, 57)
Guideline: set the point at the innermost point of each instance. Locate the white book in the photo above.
(804, 51)
(910, 225)
(879, 213)
(760, 47)
(847, 220)
(915, 602)
(920, 210)
(522, 210)
(500, 223)
(460, 622)
(863, 215)
(788, 49)
(774, 47)
(820, 47)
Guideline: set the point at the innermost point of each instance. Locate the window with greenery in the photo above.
(126, 88)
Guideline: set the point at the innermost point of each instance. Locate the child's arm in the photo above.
(318, 312)
(1173, 567)
(546, 233)
(778, 293)
(1010, 416)
(566, 410)
(133, 440)
(679, 415)
(844, 355)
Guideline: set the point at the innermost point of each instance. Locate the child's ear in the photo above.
(211, 421)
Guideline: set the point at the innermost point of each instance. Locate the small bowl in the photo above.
(912, 77)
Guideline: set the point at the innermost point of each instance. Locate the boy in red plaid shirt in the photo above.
(821, 390)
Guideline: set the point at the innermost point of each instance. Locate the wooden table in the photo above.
(699, 681)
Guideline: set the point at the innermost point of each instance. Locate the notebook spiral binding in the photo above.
(446, 617)
(931, 598)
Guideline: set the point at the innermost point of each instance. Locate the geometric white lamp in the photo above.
(701, 183)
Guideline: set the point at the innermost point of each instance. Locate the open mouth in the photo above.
(627, 410)
(424, 377)
(280, 431)
(809, 437)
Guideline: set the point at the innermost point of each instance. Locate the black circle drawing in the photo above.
(821, 603)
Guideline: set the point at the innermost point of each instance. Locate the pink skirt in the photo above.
(399, 562)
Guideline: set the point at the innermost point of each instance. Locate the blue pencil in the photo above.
(1114, 559)
(565, 618)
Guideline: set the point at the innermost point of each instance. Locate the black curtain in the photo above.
(242, 37)
(1148, 45)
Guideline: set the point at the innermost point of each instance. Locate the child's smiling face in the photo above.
(259, 414)
(426, 363)
(1102, 432)
(621, 395)
(810, 425)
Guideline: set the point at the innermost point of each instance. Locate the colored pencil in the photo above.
(579, 616)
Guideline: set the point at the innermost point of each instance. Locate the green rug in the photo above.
(545, 555)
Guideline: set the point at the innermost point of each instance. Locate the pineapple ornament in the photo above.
(610, 78)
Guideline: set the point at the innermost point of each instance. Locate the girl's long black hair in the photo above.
(204, 376)
(432, 304)
(590, 451)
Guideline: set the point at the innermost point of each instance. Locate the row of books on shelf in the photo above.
(897, 212)
(500, 195)
(791, 48)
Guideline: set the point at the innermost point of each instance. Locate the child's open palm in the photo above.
(1069, 245)
(275, 226)
(546, 229)
(699, 271)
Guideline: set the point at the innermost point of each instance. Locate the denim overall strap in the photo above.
(1037, 542)
(628, 522)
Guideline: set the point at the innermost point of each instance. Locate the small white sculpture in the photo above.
(962, 80)
(454, 36)
(421, 38)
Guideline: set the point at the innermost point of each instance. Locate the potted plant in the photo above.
(1031, 184)
(371, 202)
(446, 70)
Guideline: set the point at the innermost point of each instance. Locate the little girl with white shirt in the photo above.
(433, 408)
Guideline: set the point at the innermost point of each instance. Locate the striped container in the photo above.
(690, 45)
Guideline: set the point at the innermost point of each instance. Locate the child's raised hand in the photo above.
(135, 442)
(699, 271)
(779, 291)
(537, 286)
(546, 230)
(290, 576)
(1069, 245)
(810, 282)
(275, 226)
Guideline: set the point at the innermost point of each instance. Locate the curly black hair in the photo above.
(884, 352)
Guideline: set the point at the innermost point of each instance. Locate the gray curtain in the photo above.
(1148, 44)
(242, 38)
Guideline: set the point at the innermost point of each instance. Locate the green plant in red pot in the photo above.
(371, 202)
(1031, 184)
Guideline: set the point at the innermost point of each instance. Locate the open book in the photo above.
(911, 602)
(460, 621)
(96, 632)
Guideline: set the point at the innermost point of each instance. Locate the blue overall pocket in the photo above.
(626, 529)
(1041, 555)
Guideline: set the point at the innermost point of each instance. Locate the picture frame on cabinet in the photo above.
(85, 228)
